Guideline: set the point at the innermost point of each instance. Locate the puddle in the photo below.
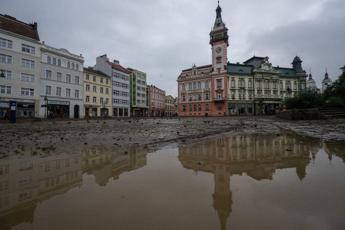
(225, 182)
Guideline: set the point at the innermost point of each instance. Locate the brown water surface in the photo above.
(225, 182)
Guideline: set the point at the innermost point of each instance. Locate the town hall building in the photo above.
(222, 88)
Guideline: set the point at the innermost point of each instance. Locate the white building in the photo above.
(326, 82)
(19, 66)
(311, 84)
(120, 84)
(62, 84)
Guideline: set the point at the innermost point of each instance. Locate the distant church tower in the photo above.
(219, 40)
(326, 82)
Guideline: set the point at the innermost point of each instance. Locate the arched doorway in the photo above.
(76, 111)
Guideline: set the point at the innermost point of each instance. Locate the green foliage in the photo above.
(335, 102)
(306, 99)
(334, 95)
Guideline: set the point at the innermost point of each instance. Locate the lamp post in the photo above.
(46, 100)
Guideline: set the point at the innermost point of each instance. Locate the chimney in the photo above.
(34, 25)
(116, 61)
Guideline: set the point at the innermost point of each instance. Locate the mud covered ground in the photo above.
(65, 136)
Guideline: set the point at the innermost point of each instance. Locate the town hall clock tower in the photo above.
(219, 41)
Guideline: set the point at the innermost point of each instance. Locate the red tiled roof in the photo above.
(13, 25)
(119, 67)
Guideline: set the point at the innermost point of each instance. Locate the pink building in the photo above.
(156, 101)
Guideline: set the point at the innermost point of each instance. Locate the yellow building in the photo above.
(97, 94)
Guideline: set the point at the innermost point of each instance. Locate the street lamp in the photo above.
(46, 100)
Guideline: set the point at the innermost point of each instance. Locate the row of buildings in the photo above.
(45, 81)
(253, 87)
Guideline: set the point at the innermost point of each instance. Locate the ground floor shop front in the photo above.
(121, 112)
(24, 108)
(256, 107)
(98, 111)
(139, 112)
(58, 108)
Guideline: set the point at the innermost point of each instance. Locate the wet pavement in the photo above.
(279, 181)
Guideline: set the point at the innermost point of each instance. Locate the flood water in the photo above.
(225, 182)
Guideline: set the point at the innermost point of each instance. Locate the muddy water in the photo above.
(226, 182)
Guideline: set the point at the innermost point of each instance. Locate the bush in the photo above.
(306, 99)
(335, 102)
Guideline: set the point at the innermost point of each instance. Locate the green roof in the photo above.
(239, 69)
(286, 72)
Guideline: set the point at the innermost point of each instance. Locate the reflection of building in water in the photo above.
(104, 164)
(257, 156)
(27, 180)
(336, 148)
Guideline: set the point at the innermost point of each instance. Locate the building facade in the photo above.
(326, 82)
(311, 84)
(120, 84)
(61, 84)
(224, 88)
(170, 109)
(97, 93)
(138, 91)
(156, 101)
(19, 66)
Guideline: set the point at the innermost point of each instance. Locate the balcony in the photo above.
(219, 99)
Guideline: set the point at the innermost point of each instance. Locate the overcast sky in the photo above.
(162, 37)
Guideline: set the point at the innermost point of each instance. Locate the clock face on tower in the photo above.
(218, 50)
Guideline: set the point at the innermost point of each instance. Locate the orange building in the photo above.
(207, 86)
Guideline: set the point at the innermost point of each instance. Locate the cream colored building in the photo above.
(170, 108)
(97, 93)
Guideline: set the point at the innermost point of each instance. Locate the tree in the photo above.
(334, 95)
(305, 99)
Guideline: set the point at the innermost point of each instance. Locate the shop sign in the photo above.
(4, 105)
(51, 102)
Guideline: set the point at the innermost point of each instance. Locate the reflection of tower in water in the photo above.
(256, 156)
(222, 195)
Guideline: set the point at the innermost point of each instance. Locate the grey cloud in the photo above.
(163, 37)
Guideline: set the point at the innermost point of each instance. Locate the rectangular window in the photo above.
(87, 88)
(5, 59)
(101, 79)
(87, 77)
(68, 92)
(59, 62)
(76, 80)
(94, 78)
(4, 43)
(87, 99)
(58, 91)
(94, 99)
(107, 90)
(101, 100)
(49, 60)
(7, 74)
(76, 93)
(4, 89)
(101, 90)
(68, 78)
(28, 49)
(48, 74)
(28, 63)
(27, 92)
(27, 77)
(58, 76)
(94, 89)
(48, 90)
(219, 83)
